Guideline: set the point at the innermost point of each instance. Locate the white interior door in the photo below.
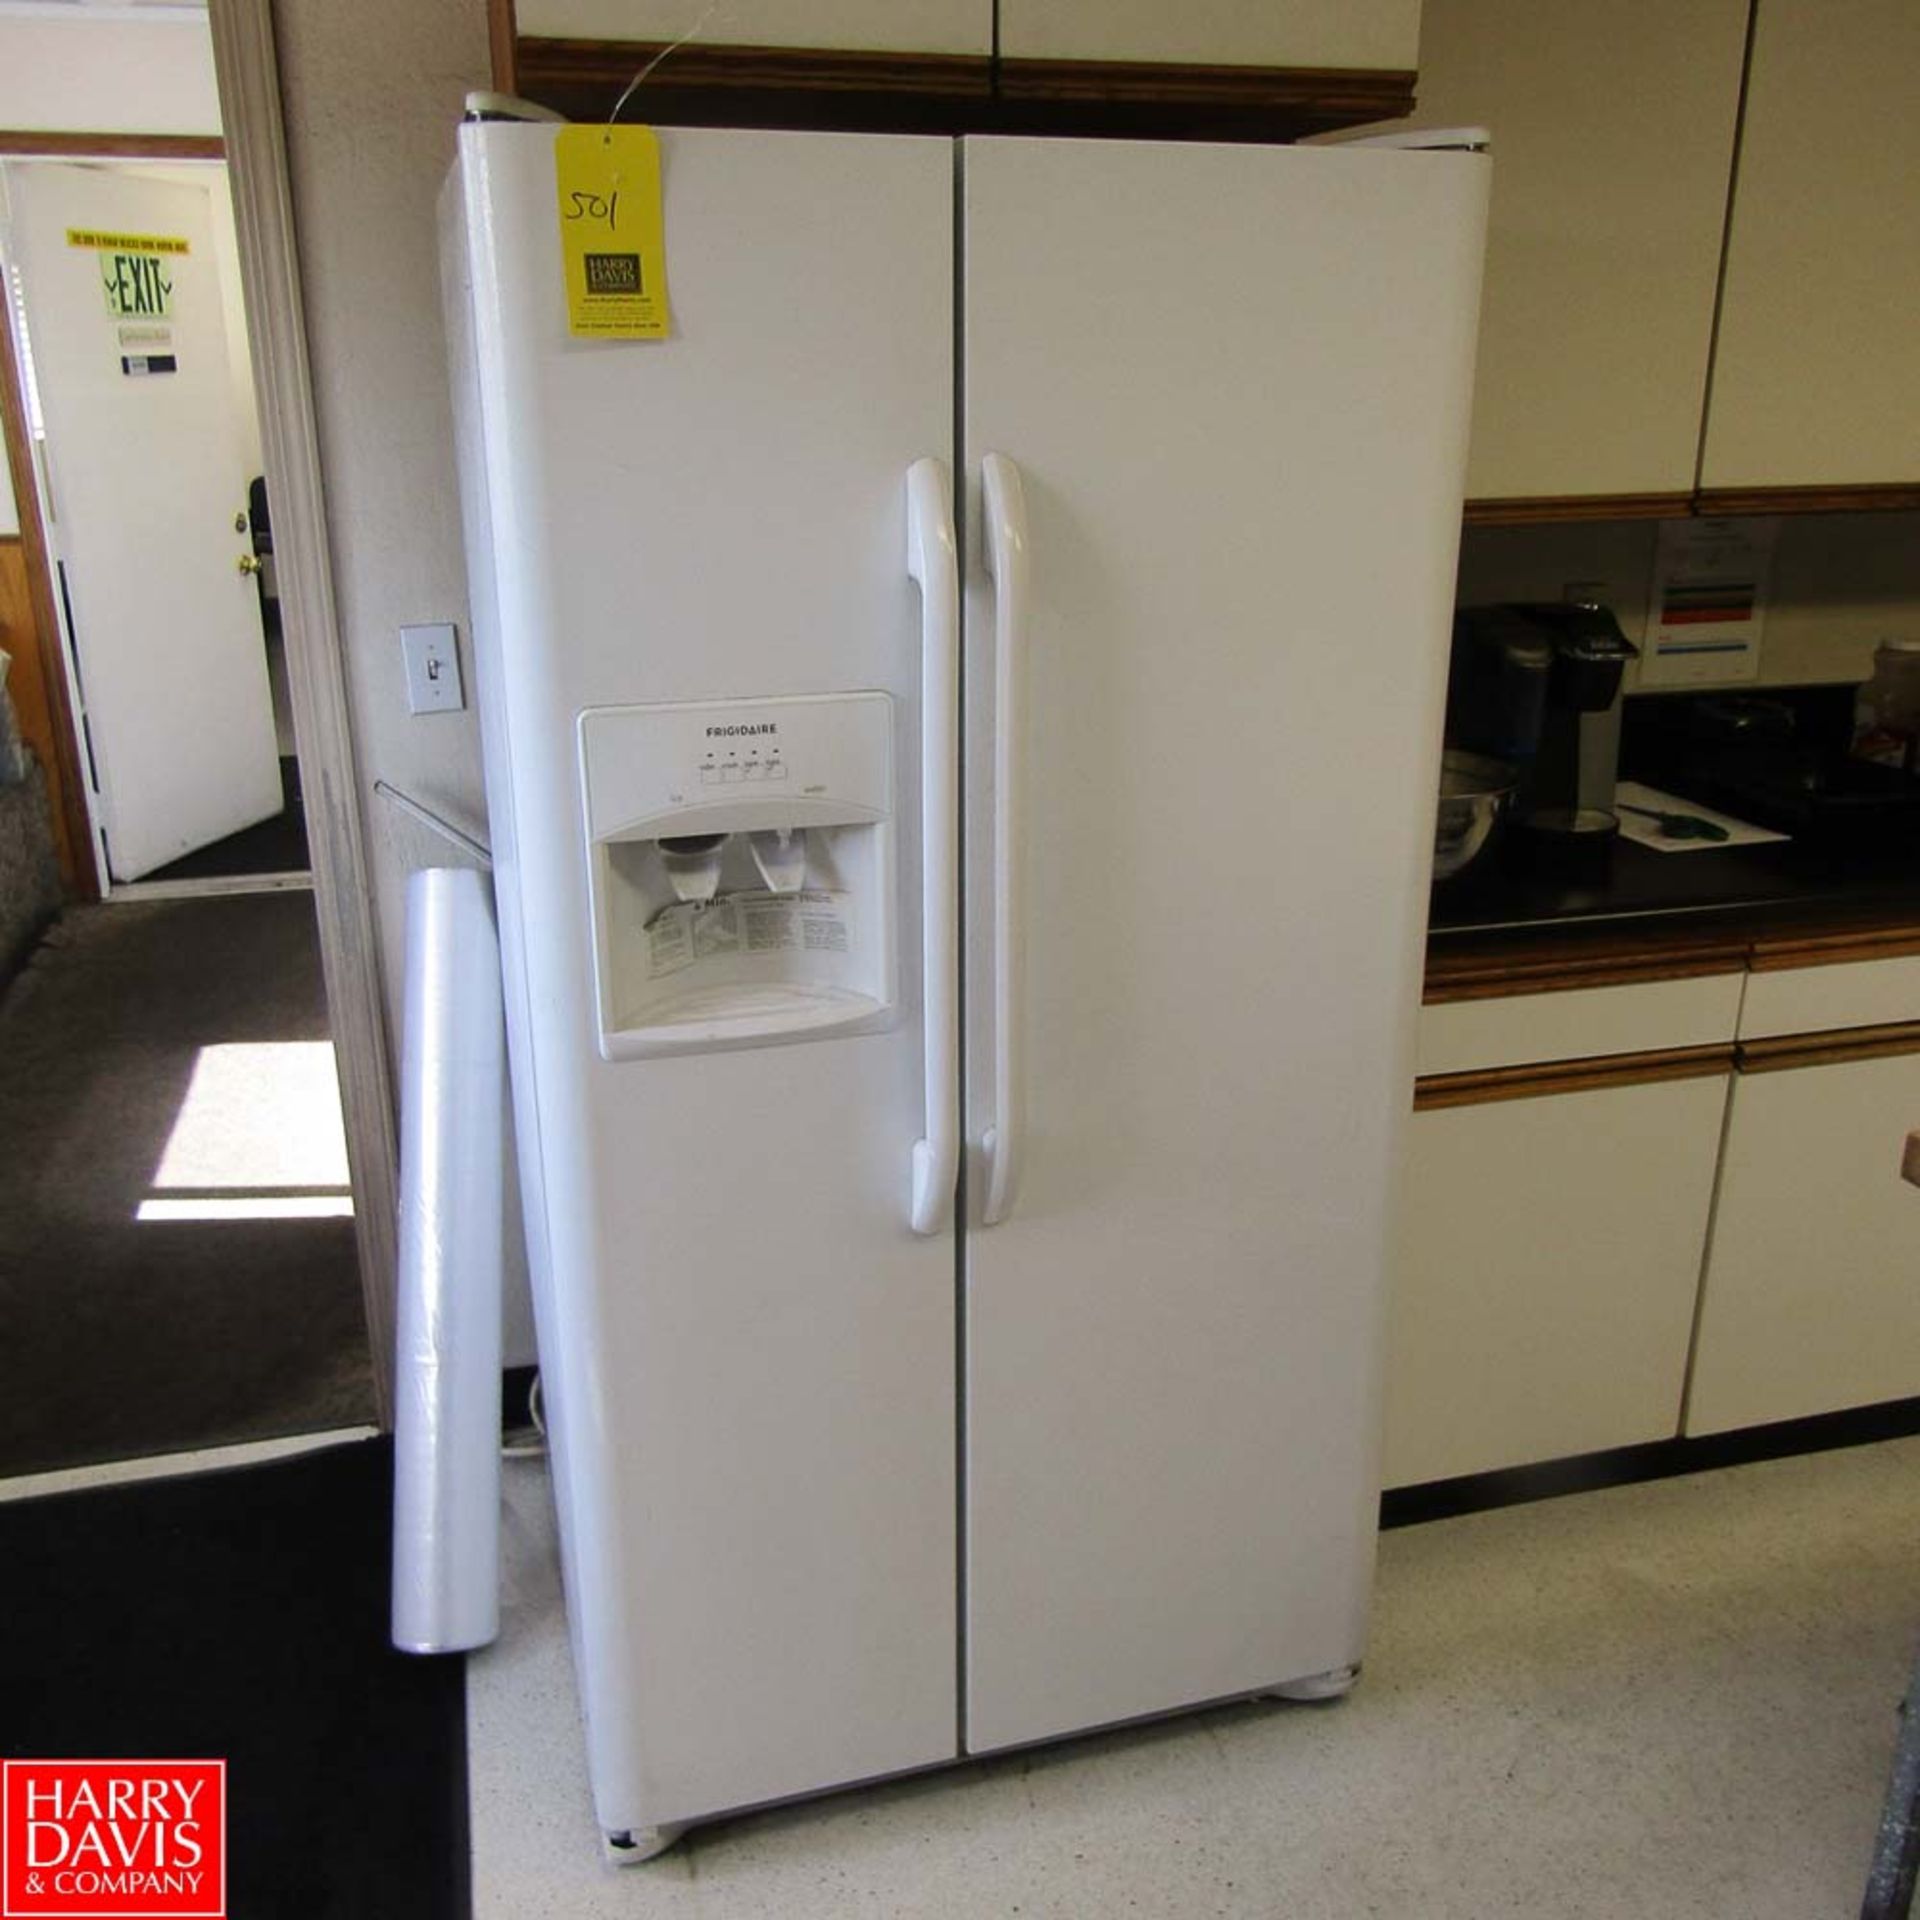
(1235, 382)
(145, 479)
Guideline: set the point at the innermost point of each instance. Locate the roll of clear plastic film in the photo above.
(446, 1492)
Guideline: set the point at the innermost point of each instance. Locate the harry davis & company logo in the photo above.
(113, 1839)
(613, 273)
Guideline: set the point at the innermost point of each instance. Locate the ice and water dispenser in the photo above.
(742, 870)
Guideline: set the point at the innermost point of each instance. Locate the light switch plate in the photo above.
(432, 656)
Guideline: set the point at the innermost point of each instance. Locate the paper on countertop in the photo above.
(1644, 832)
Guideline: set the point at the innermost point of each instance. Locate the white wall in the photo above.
(107, 76)
(9, 513)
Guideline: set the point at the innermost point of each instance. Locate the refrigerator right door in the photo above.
(1227, 390)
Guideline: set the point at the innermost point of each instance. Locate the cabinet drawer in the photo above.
(1547, 1256)
(1578, 1023)
(1848, 993)
(1809, 1303)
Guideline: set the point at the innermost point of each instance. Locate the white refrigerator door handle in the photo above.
(934, 564)
(1006, 530)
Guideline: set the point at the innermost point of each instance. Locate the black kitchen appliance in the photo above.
(1538, 682)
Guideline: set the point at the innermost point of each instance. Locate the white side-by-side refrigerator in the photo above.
(962, 718)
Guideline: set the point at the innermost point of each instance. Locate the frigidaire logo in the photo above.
(727, 733)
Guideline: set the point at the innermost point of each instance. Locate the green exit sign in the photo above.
(138, 286)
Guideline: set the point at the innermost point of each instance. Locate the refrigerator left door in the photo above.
(747, 1348)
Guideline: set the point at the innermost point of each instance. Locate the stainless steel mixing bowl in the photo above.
(1474, 791)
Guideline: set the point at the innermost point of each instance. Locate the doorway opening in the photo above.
(143, 440)
(177, 1241)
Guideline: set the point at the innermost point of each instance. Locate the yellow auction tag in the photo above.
(612, 236)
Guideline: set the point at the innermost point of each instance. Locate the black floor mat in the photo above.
(242, 1616)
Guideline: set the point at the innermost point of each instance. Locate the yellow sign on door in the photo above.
(136, 272)
(612, 234)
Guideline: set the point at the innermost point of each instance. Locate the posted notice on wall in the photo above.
(1708, 606)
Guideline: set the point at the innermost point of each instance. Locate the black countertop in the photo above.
(1512, 890)
(1847, 863)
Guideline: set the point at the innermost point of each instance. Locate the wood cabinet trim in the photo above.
(1482, 1085)
(503, 34)
(1498, 966)
(1538, 509)
(1786, 952)
(116, 146)
(752, 85)
(1892, 497)
(954, 93)
(1529, 510)
(1354, 94)
(1780, 1051)
(1493, 977)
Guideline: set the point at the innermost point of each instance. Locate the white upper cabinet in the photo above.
(891, 26)
(1613, 132)
(1817, 375)
(1259, 33)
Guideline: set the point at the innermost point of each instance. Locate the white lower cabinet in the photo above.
(1548, 1262)
(1811, 1300)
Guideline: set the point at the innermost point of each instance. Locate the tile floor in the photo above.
(1674, 1699)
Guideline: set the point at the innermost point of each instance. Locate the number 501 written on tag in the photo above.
(612, 236)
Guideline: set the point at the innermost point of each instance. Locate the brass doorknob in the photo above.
(248, 563)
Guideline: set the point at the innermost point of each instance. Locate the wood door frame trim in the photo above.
(247, 69)
(67, 776)
(27, 144)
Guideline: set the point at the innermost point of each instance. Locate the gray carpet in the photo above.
(121, 1336)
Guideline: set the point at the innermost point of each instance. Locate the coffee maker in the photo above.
(1538, 683)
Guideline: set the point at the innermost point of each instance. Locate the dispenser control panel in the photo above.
(721, 765)
(732, 765)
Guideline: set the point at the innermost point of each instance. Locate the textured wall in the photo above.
(373, 93)
(372, 96)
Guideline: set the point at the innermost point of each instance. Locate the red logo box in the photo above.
(113, 1839)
